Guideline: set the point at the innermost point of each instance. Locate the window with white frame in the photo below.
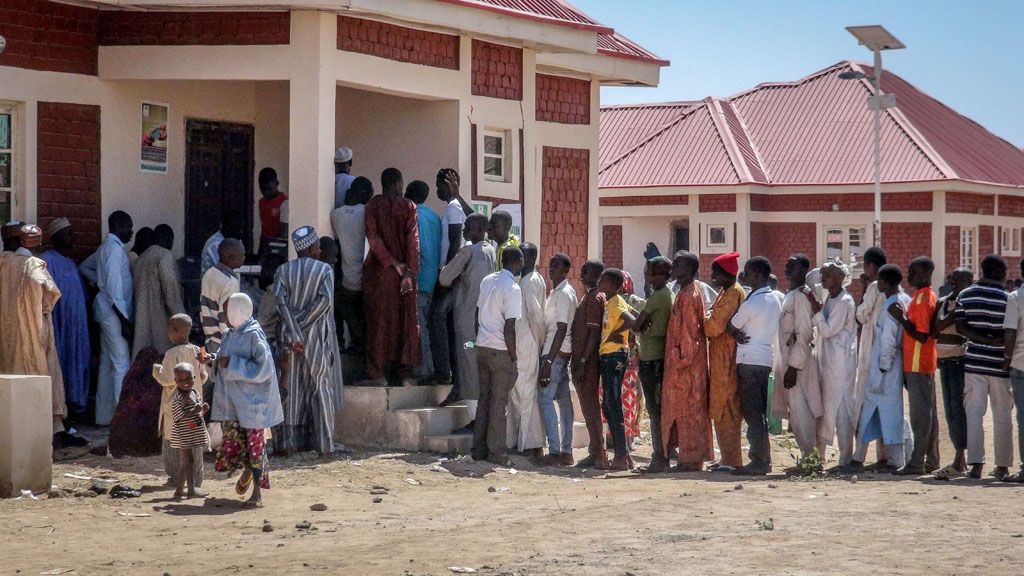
(968, 247)
(7, 161)
(846, 243)
(1010, 242)
(497, 159)
(716, 236)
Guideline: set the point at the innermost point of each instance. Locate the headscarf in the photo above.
(838, 264)
(627, 282)
(660, 266)
(239, 309)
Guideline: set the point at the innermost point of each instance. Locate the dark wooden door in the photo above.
(218, 177)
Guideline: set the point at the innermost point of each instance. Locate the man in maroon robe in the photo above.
(389, 283)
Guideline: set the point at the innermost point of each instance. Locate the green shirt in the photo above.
(652, 342)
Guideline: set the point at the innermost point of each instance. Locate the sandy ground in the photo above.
(438, 514)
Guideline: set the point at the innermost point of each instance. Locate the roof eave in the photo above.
(608, 70)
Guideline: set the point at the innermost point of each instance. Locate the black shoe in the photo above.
(909, 471)
(854, 467)
(587, 462)
(657, 466)
(466, 430)
(750, 470)
(453, 398)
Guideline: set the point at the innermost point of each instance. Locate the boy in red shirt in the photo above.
(273, 208)
(919, 364)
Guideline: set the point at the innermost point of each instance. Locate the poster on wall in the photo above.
(482, 207)
(516, 210)
(154, 137)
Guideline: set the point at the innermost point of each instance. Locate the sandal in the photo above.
(948, 473)
(244, 481)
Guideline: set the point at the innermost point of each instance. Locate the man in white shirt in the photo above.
(754, 326)
(112, 310)
(1013, 322)
(342, 177)
(499, 305)
(349, 223)
(559, 312)
(443, 350)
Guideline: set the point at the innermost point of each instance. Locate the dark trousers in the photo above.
(951, 373)
(497, 377)
(753, 391)
(349, 309)
(652, 373)
(924, 419)
(587, 379)
(442, 335)
(613, 368)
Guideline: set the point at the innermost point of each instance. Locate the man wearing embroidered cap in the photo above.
(70, 318)
(31, 238)
(342, 175)
(304, 289)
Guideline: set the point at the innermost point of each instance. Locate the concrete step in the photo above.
(580, 436)
(416, 397)
(448, 444)
(432, 421)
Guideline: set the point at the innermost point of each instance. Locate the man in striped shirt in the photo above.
(980, 313)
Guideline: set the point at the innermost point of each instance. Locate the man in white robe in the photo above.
(837, 362)
(867, 316)
(525, 428)
(798, 366)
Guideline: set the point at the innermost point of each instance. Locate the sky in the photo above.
(966, 54)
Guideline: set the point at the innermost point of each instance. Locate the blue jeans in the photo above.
(1017, 383)
(423, 303)
(557, 390)
(613, 368)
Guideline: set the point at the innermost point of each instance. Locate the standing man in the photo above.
(684, 419)
(653, 324)
(11, 234)
(232, 226)
(1014, 361)
(498, 307)
(430, 264)
(389, 273)
(980, 317)
(112, 309)
(500, 232)
(304, 289)
(525, 429)
(724, 407)
(273, 209)
(218, 284)
(881, 415)
(70, 316)
(586, 373)
(559, 311)
(444, 348)
(349, 224)
(462, 276)
(867, 317)
(800, 384)
(754, 327)
(342, 175)
(951, 353)
(836, 322)
(157, 292)
(919, 365)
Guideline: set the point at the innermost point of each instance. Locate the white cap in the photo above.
(342, 155)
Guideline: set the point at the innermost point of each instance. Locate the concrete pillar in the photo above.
(312, 96)
(26, 435)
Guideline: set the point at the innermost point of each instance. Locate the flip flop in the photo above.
(948, 473)
(242, 486)
(249, 504)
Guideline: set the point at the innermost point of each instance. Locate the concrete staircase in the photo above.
(409, 419)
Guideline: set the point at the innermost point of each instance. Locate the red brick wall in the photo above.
(904, 241)
(398, 43)
(966, 203)
(676, 199)
(777, 241)
(986, 242)
(123, 28)
(68, 170)
(45, 35)
(565, 208)
(497, 71)
(1011, 206)
(611, 246)
(860, 202)
(563, 100)
(952, 250)
(717, 202)
(705, 266)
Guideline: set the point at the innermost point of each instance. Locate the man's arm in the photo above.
(377, 247)
(510, 338)
(454, 268)
(1009, 343)
(454, 241)
(897, 312)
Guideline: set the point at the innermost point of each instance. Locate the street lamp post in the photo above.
(876, 39)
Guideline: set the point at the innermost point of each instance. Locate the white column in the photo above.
(311, 121)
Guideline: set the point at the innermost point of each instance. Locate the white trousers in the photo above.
(115, 359)
(979, 392)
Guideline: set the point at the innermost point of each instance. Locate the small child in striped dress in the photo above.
(189, 430)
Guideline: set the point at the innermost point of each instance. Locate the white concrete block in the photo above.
(26, 435)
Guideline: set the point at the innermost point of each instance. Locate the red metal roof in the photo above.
(626, 125)
(553, 11)
(817, 130)
(617, 45)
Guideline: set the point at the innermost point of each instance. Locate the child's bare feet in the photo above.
(178, 495)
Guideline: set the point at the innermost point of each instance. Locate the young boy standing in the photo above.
(188, 432)
(652, 323)
(919, 364)
(614, 357)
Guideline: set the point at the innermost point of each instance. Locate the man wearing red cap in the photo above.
(724, 407)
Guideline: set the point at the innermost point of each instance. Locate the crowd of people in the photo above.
(458, 299)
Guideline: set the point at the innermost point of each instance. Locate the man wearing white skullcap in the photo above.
(342, 177)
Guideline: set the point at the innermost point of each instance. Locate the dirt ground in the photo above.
(436, 514)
